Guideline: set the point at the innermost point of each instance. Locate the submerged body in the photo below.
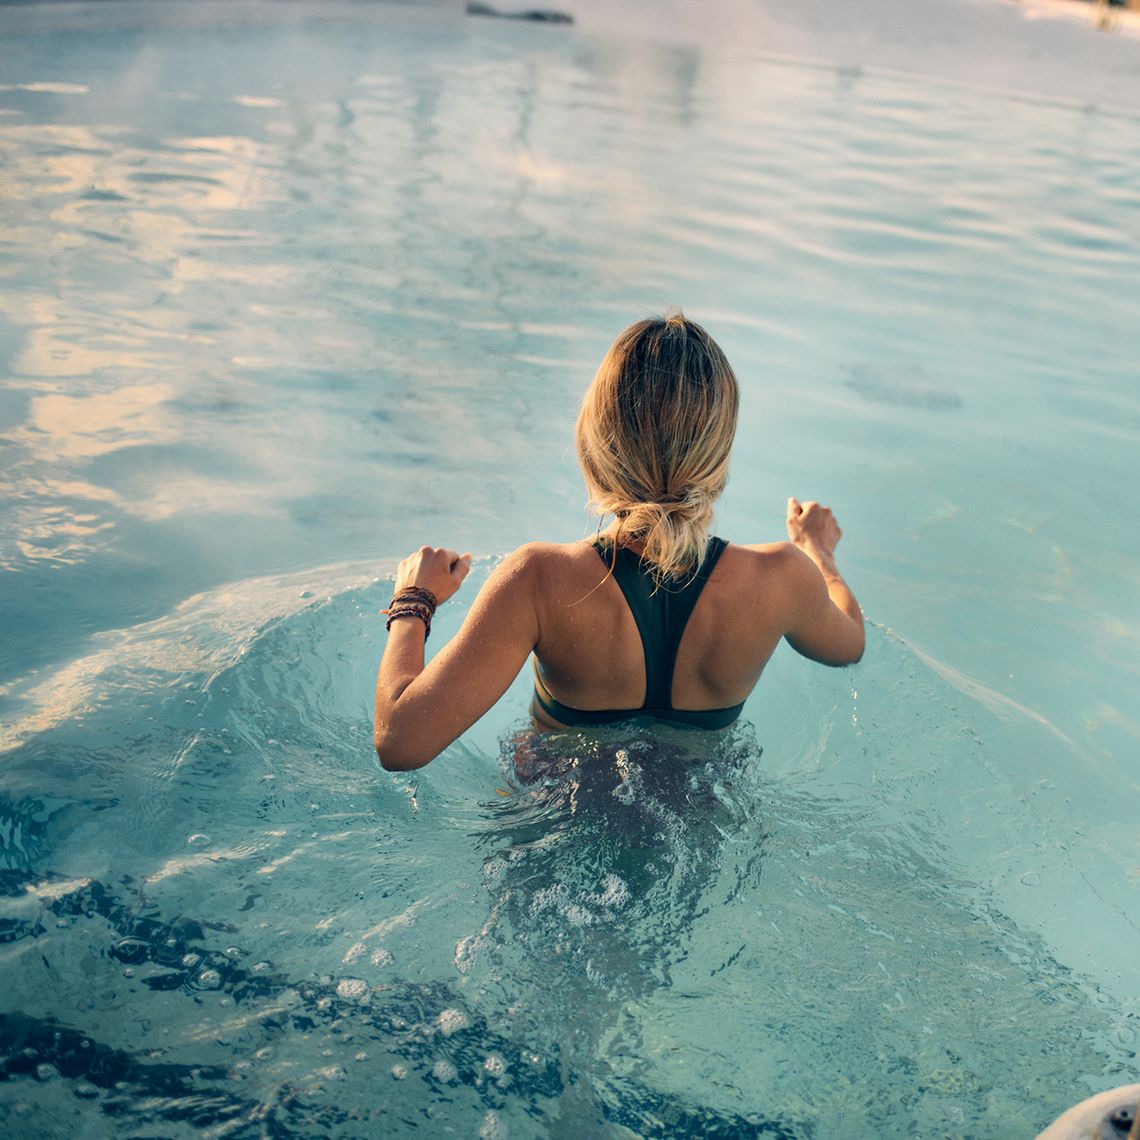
(654, 437)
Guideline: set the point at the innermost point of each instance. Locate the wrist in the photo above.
(412, 602)
(821, 556)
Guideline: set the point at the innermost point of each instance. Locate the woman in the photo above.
(654, 618)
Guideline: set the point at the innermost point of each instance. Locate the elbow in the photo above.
(847, 654)
(395, 757)
(855, 652)
(389, 761)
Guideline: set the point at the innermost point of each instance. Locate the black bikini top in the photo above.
(661, 613)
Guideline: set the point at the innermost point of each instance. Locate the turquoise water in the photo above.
(283, 299)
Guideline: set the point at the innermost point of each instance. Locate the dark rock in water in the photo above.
(540, 15)
(905, 388)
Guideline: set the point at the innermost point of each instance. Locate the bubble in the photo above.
(465, 951)
(495, 1065)
(333, 1073)
(208, 980)
(189, 961)
(1030, 879)
(452, 1021)
(399, 1072)
(261, 967)
(382, 957)
(265, 1053)
(444, 1071)
(614, 892)
(234, 952)
(351, 989)
(361, 1056)
(85, 1091)
(547, 898)
(131, 950)
(353, 952)
(46, 1072)
(198, 839)
(493, 1127)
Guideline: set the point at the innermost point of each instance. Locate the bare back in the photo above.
(589, 651)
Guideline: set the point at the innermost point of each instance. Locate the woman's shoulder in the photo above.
(765, 561)
(762, 554)
(548, 558)
(551, 551)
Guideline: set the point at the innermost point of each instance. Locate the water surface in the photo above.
(282, 300)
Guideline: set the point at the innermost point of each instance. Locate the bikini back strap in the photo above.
(661, 613)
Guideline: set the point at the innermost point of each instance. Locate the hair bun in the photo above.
(660, 415)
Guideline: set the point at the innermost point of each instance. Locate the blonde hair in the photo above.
(654, 436)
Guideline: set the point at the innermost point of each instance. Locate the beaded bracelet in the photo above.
(412, 601)
(417, 594)
(411, 610)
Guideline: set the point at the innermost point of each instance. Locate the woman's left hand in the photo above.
(439, 570)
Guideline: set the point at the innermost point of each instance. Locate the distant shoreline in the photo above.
(1118, 15)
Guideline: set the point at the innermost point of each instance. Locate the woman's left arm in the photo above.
(420, 711)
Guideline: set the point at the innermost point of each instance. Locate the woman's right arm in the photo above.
(421, 710)
(825, 622)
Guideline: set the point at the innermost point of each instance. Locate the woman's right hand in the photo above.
(439, 570)
(812, 527)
